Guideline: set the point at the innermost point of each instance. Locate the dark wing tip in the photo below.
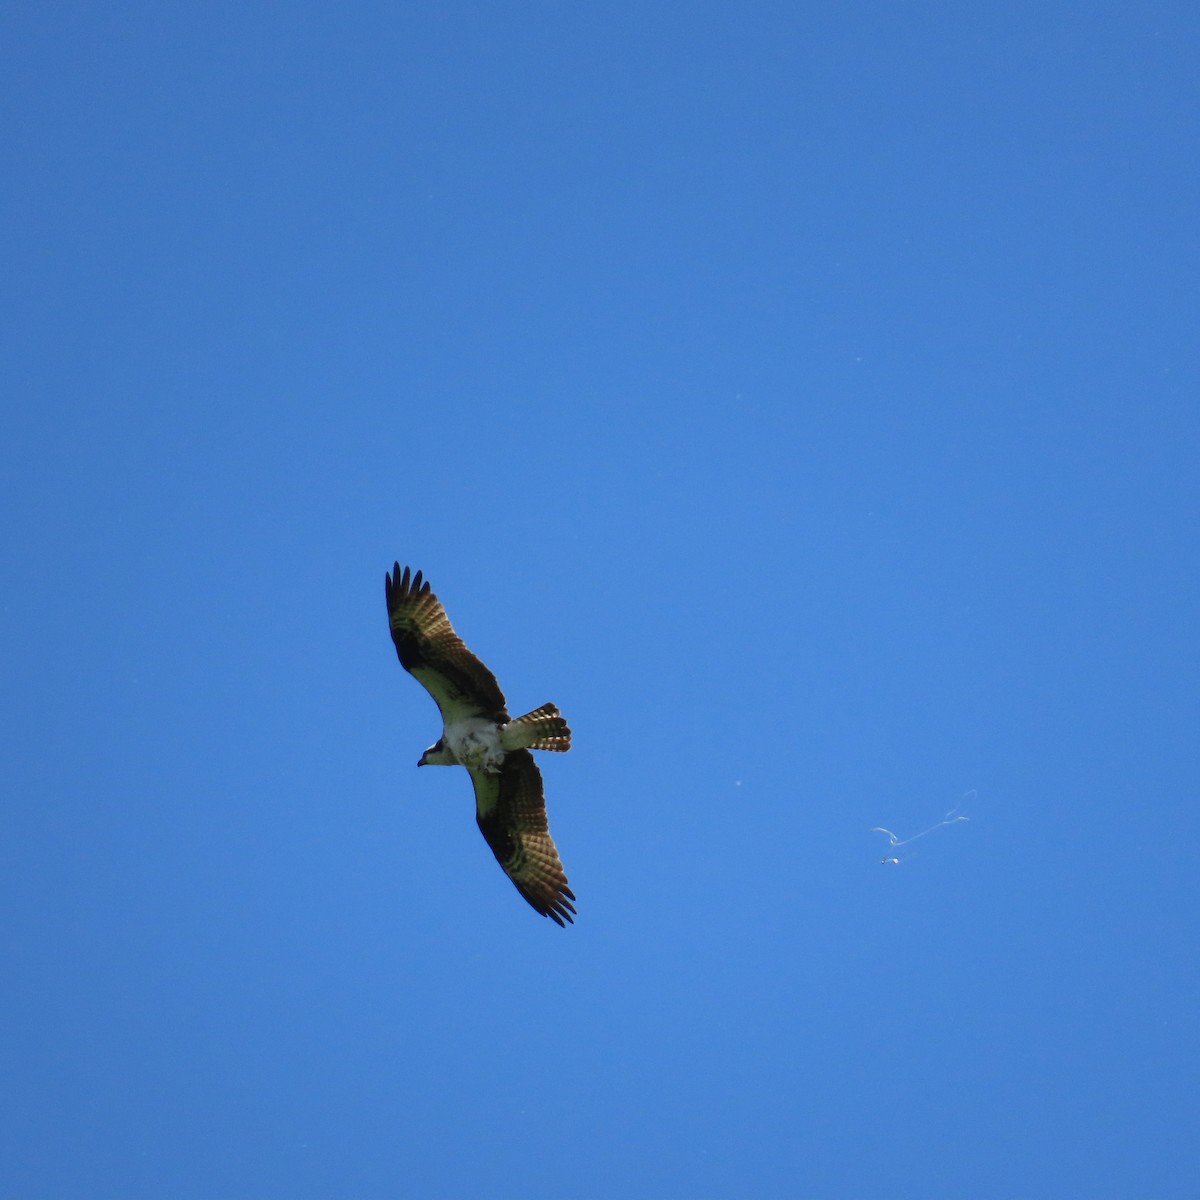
(546, 897)
(558, 908)
(399, 584)
(561, 908)
(394, 584)
(552, 898)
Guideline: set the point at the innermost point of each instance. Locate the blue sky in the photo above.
(803, 398)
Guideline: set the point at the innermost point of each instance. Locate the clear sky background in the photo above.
(806, 398)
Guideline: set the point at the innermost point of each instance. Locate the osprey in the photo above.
(477, 733)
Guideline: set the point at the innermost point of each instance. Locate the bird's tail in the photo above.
(542, 729)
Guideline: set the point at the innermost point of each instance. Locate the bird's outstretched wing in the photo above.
(510, 808)
(430, 650)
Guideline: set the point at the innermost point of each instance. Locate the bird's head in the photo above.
(436, 756)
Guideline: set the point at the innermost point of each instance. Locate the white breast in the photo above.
(475, 742)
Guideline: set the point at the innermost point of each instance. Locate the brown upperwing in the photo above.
(430, 650)
(510, 809)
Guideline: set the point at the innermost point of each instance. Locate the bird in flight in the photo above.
(477, 733)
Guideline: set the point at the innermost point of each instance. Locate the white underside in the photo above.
(475, 743)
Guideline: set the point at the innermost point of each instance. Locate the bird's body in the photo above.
(471, 742)
(478, 734)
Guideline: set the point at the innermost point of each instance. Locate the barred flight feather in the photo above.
(542, 729)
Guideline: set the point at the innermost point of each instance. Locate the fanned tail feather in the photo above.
(542, 729)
